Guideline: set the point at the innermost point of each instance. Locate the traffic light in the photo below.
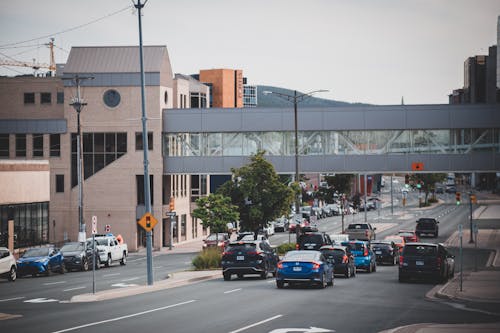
(457, 198)
(172, 204)
(473, 199)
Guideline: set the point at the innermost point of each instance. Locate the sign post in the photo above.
(171, 214)
(94, 231)
(461, 257)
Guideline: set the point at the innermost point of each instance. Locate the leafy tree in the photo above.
(216, 211)
(427, 182)
(258, 192)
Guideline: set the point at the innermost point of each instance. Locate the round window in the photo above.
(166, 97)
(111, 98)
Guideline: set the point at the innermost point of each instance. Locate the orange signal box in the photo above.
(417, 166)
(147, 222)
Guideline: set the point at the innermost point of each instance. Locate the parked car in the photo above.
(409, 236)
(426, 260)
(8, 268)
(332, 209)
(344, 260)
(398, 240)
(364, 258)
(386, 252)
(79, 256)
(281, 224)
(427, 226)
(110, 249)
(313, 240)
(318, 212)
(244, 257)
(216, 240)
(41, 260)
(309, 267)
(361, 231)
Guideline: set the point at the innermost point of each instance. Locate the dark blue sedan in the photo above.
(42, 260)
(305, 266)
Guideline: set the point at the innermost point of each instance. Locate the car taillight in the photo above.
(345, 260)
(366, 252)
(316, 265)
(438, 262)
(366, 233)
(296, 246)
(254, 253)
(401, 260)
(227, 253)
(280, 265)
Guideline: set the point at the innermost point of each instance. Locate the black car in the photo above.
(427, 226)
(386, 252)
(249, 257)
(313, 241)
(79, 256)
(344, 260)
(426, 260)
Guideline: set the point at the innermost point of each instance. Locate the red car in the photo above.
(408, 235)
(220, 240)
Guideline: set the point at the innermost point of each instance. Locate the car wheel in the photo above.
(280, 284)
(33, 275)
(331, 281)
(227, 276)
(264, 274)
(62, 269)
(394, 261)
(12, 274)
(123, 262)
(85, 265)
(48, 272)
(240, 276)
(109, 261)
(348, 272)
(322, 284)
(374, 267)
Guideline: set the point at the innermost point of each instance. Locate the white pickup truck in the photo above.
(109, 250)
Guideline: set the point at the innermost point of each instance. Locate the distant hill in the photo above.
(275, 101)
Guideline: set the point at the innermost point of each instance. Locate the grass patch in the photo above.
(207, 259)
(284, 248)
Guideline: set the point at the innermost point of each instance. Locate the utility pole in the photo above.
(147, 192)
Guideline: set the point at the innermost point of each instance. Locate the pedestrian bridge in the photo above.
(357, 139)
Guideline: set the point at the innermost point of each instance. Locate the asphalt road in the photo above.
(366, 303)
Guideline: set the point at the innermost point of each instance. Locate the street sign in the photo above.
(171, 214)
(460, 230)
(147, 222)
(94, 225)
(417, 166)
(107, 228)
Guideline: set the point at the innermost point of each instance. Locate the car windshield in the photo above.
(316, 239)
(405, 234)
(358, 226)
(420, 250)
(39, 252)
(300, 256)
(381, 246)
(357, 246)
(246, 247)
(213, 237)
(395, 239)
(101, 241)
(72, 247)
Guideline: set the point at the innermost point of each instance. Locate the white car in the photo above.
(8, 266)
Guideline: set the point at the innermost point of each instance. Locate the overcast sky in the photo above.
(369, 51)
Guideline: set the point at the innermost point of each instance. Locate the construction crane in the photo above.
(36, 66)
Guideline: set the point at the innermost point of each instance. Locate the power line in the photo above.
(68, 30)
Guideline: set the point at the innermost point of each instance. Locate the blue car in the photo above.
(42, 260)
(364, 258)
(305, 266)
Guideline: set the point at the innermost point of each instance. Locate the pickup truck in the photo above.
(110, 249)
(361, 231)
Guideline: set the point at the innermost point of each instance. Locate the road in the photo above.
(366, 303)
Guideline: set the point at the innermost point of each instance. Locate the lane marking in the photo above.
(138, 259)
(41, 300)
(51, 283)
(123, 285)
(11, 299)
(253, 325)
(106, 275)
(124, 317)
(232, 291)
(76, 288)
(157, 267)
(131, 279)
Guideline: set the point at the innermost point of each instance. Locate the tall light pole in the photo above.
(295, 99)
(78, 104)
(147, 198)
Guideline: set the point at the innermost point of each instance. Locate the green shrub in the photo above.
(207, 259)
(432, 200)
(284, 248)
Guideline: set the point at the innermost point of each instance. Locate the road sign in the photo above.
(94, 225)
(171, 214)
(107, 228)
(460, 230)
(147, 222)
(417, 166)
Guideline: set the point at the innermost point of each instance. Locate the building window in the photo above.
(60, 97)
(20, 145)
(4, 145)
(166, 97)
(37, 145)
(55, 145)
(59, 183)
(141, 198)
(183, 227)
(31, 224)
(195, 100)
(45, 98)
(99, 150)
(111, 98)
(138, 141)
(29, 98)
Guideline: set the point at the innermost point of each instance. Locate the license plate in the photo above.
(297, 269)
(240, 257)
(378, 252)
(419, 263)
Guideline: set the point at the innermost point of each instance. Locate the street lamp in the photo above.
(295, 99)
(78, 104)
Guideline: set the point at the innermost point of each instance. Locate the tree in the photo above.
(427, 182)
(215, 211)
(258, 192)
(340, 183)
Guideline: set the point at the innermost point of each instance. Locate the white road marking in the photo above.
(271, 281)
(256, 324)
(51, 283)
(131, 279)
(123, 317)
(76, 288)
(11, 299)
(123, 285)
(41, 300)
(232, 291)
(157, 266)
(138, 259)
(106, 275)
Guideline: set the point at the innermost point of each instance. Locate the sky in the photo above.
(366, 51)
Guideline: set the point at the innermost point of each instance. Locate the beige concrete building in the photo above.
(37, 122)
